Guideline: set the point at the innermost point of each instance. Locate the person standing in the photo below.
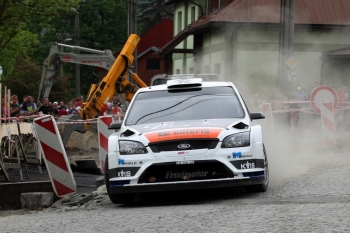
(46, 108)
(14, 106)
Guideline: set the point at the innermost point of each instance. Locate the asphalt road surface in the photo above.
(309, 192)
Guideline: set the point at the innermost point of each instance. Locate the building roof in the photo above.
(311, 12)
(338, 53)
(261, 12)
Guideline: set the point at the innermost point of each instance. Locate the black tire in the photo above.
(260, 187)
(107, 174)
(119, 198)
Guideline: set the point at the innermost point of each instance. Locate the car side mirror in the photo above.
(115, 125)
(256, 116)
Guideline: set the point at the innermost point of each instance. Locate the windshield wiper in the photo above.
(176, 111)
(166, 108)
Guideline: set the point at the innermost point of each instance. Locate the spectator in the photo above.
(77, 110)
(301, 96)
(104, 110)
(78, 101)
(4, 111)
(116, 109)
(46, 108)
(29, 108)
(62, 111)
(69, 108)
(24, 101)
(61, 105)
(317, 84)
(294, 113)
(54, 109)
(14, 106)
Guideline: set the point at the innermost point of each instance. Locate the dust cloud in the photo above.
(292, 154)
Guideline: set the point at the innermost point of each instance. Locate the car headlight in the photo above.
(131, 147)
(236, 140)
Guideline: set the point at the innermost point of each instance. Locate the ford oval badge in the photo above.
(184, 146)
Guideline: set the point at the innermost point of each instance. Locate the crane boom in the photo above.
(103, 59)
(115, 81)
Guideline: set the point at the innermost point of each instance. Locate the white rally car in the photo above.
(186, 134)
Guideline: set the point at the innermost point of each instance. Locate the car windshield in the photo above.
(201, 103)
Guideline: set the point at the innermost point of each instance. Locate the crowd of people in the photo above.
(297, 106)
(27, 108)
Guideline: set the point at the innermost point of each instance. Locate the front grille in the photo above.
(199, 170)
(193, 145)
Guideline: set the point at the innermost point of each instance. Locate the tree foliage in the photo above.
(29, 27)
(153, 12)
(15, 15)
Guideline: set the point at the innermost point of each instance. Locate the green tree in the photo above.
(152, 12)
(15, 39)
(103, 25)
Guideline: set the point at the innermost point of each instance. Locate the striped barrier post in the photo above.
(103, 133)
(55, 156)
(328, 124)
(267, 111)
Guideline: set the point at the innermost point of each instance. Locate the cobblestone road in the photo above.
(309, 192)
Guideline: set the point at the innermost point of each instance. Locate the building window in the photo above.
(153, 64)
(206, 69)
(193, 14)
(191, 70)
(179, 21)
(217, 68)
(177, 71)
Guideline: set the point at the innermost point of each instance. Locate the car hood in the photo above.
(196, 124)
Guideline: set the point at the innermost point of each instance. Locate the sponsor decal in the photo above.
(248, 163)
(184, 162)
(67, 58)
(124, 173)
(123, 162)
(183, 152)
(237, 155)
(166, 135)
(129, 163)
(185, 175)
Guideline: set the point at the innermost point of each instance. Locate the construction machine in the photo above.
(115, 81)
(103, 59)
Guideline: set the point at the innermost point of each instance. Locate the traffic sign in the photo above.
(292, 62)
(323, 94)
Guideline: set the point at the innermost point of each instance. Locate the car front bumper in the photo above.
(117, 187)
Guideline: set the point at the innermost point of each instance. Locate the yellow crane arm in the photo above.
(115, 81)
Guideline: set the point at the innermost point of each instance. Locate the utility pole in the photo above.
(132, 29)
(77, 66)
(286, 42)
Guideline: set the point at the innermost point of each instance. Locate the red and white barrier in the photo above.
(328, 124)
(55, 156)
(103, 133)
(267, 111)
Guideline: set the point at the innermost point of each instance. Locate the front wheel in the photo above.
(260, 187)
(119, 198)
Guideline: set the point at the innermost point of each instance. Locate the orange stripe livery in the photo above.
(186, 133)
